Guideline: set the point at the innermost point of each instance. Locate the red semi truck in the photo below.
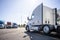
(9, 25)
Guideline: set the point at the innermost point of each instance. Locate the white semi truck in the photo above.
(43, 19)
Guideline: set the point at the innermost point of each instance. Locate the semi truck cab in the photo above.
(2, 24)
(15, 25)
(9, 25)
(43, 19)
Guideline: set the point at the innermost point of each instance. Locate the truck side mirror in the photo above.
(28, 18)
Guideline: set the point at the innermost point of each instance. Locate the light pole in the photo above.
(21, 20)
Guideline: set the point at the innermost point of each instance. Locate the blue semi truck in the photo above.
(2, 24)
(14, 25)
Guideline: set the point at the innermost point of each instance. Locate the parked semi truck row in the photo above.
(11, 25)
(44, 19)
(8, 24)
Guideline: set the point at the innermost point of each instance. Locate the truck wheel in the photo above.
(27, 28)
(58, 29)
(46, 29)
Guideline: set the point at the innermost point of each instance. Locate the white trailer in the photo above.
(43, 19)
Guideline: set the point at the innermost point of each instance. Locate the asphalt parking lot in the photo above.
(21, 34)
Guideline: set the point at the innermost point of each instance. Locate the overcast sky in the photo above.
(19, 10)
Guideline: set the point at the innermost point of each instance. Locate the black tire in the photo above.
(46, 29)
(27, 28)
(58, 29)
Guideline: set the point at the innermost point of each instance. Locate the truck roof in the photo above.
(1, 22)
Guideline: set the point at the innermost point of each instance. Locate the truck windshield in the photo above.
(14, 24)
